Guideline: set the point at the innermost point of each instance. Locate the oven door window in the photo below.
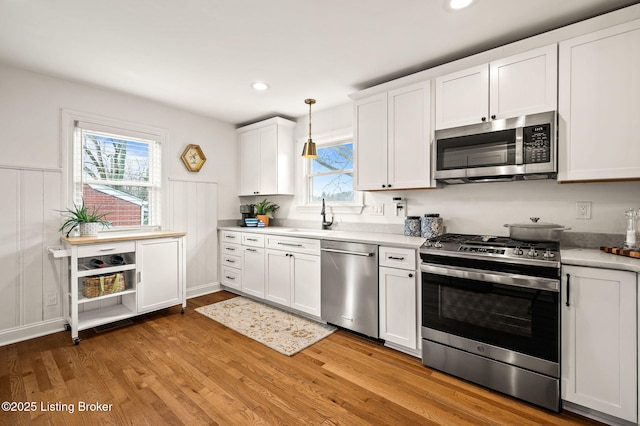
(515, 318)
(483, 150)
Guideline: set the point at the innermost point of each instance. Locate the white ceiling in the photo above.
(202, 55)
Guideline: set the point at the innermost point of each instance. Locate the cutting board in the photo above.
(622, 251)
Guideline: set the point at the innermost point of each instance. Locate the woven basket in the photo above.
(102, 284)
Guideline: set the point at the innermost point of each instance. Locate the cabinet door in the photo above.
(598, 105)
(160, 263)
(249, 154)
(524, 84)
(268, 165)
(253, 271)
(398, 320)
(599, 345)
(305, 287)
(278, 277)
(370, 151)
(462, 97)
(409, 143)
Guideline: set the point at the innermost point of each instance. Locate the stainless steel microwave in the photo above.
(520, 148)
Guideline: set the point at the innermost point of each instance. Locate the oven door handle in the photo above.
(493, 277)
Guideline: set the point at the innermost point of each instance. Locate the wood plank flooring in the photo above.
(168, 368)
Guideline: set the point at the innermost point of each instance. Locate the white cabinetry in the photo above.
(526, 83)
(599, 340)
(398, 296)
(392, 139)
(598, 105)
(293, 273)
(231, 259)
(266, 157)
(253, 264)
(150, 266)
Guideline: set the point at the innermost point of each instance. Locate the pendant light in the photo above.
(309, 150)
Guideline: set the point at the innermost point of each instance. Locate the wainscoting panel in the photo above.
(30, 279)
(193, 208)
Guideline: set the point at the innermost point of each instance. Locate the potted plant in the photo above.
(265, 210)
(87, 220)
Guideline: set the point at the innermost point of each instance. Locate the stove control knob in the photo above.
(548, 254)
(532, 253)
(428, 244)
(518, 251)
(437, 244)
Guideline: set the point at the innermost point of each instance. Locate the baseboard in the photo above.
(203, 289)
(413, 352)
(595, 415)
(31, 331)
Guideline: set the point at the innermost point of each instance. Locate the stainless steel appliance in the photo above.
(349, 286)
(491, 313)
(247, 211)
(521, 148)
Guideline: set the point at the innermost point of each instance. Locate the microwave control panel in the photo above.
(536, 141)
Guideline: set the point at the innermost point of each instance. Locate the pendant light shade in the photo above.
(309, 149)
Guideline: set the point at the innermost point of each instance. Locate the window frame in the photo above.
(71, 165)
(327, 140)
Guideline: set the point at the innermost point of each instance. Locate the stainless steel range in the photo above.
(491, 313)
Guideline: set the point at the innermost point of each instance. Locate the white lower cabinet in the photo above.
(253, 271)
(599, 340)
(293, 273)
(161, 263)
(398, 296)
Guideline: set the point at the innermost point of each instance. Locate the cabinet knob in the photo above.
(410, 275)
(483, 119)
(384, 186)
(389, 186)
(493, 117)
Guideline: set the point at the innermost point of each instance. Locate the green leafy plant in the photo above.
(82, 214)
(265, 207)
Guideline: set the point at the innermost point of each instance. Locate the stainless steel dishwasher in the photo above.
(349, 285)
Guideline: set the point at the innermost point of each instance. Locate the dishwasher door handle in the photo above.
(355, 253)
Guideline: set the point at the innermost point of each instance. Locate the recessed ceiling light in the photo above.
(457, 4)
(260, 85)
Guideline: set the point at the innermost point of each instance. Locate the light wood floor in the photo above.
(169, 368)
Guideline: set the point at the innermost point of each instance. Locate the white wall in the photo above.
(33, 185)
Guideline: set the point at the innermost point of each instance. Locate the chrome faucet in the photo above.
(325, 224)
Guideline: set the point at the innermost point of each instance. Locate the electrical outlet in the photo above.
(376, 210)
(52, 299)
(583, 210)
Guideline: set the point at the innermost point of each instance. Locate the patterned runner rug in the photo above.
(282, 331)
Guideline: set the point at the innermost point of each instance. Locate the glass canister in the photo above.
(431, 225)
(412, 226)
(631, 237)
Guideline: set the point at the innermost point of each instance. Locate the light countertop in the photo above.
(395, 240)
(105, 237)
(598, 259)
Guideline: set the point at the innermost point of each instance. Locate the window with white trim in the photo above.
(330, 176)
(118, 171)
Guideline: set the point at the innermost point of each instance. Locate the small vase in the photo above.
(89, 229)
(264, 218)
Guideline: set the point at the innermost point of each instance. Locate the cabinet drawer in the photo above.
(253, 240)
(401, 258)
(231, 277)
(232, 249)
(231, 237)
(232, 261)
(293, 244)
(106, 248)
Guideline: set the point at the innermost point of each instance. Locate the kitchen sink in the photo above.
(318, 232)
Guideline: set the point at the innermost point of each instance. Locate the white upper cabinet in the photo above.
(526, 83)
(266, 157)
(393, 139)
(598, 105)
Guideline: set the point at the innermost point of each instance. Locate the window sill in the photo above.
(335, 209)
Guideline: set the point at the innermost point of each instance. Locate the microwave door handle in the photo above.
(519, 146)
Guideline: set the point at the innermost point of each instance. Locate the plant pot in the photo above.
(89, 229)
(264, 218)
